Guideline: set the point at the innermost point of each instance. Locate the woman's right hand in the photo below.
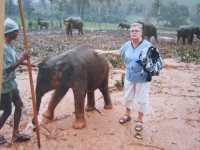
(99, 52)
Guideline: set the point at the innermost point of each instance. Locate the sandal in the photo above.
(4, 142)
(22, 138)
(124, 119)
(138, 136)
(139, 126)
(2, 139)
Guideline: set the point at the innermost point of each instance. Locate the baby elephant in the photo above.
(79, 68)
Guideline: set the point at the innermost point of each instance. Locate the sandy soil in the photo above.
(172, 124)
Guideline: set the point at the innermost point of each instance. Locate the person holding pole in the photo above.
(10, 93)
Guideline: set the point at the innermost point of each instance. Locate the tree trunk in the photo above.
(1, 40)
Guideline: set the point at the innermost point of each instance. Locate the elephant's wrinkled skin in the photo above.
(73, 23)
(123, 25)
(79, 68)
(42, 23)
(149, 30)
(187, 32)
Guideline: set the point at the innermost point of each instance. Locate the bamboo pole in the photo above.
(29, 71)
(1, 41)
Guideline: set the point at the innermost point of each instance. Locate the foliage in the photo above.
(156, 6)
(116, 61)
(120, 83)
(11, 8)
(196, 17)
(175, 14)
(187, 53)
(30, 24)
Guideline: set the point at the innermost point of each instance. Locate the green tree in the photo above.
(62, 4)
(174, 14)
(10, 8)
(43, 4)
(198, 8)
(156, 6)
(52, 2)
(196, 17)
(131, 7)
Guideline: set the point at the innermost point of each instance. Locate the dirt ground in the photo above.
(172, 124)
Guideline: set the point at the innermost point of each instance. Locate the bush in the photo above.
(30, 24)
(120, 83)
(187, 53)
(116, 61)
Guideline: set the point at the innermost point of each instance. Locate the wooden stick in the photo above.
(29, 71)
(1, 40)
(99, 111)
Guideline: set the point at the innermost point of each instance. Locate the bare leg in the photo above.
(128, 112)
(17, 116)
(4, 116)
(140, 115)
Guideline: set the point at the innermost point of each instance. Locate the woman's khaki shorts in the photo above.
(140, 91)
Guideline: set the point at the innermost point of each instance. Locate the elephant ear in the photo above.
(63, 70)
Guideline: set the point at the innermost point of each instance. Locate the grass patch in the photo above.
(102, 25)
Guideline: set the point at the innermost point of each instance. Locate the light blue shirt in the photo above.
(133, 69)
(8, 79)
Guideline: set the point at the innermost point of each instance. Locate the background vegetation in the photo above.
(163, 13)
(106, 14)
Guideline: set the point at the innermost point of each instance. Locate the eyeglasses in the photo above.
(136, 31)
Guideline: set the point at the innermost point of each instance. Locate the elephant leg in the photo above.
(106, 95)
(90, 101)
(183, 40)
(79, 100)
(149, 38)
(71, 32)
(191, 40)
(178, 38)
(81, 31)
(156, 38)
(56, 98)
(78, 32)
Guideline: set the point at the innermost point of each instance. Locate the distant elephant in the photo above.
(73, 23)
(197, 32)
(149, 30)
(187, 32)
(123, 25)
(42, 23)
(79, 68)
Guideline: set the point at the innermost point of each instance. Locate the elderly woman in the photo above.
(135, 80)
